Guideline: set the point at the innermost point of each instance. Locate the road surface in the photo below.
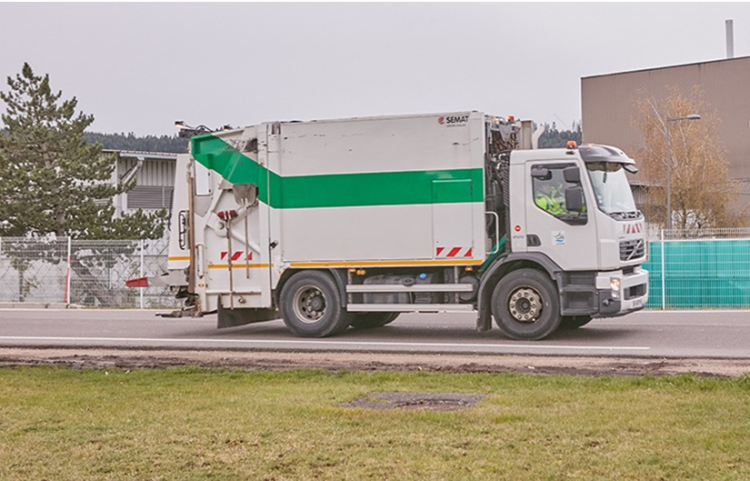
(671, 334)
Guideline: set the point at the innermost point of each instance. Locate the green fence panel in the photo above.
(700, 274)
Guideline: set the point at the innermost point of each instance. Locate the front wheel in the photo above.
(525, 305)
(311, 305)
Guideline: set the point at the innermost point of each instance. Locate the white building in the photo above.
(154, 175)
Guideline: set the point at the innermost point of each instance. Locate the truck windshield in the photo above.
(611, 187)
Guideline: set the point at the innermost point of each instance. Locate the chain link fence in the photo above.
(695, 269)
(656, 234)
(87, 273)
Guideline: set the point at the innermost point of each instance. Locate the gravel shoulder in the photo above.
(366, 361)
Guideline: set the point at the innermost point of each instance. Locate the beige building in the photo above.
(608, 106)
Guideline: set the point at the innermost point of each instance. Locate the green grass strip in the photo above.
(194, 424)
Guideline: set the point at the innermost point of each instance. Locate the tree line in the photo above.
(149, 143)
(554, 138)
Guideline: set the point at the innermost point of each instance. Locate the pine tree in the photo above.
(54, 184)
(53, 181)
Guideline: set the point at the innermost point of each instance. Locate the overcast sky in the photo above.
(137, 67)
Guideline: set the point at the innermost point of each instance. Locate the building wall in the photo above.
(609, 111)
(154, 184)
(154, 180)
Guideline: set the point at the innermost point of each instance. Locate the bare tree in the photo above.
(702, 194)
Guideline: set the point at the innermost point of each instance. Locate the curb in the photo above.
(33, 305)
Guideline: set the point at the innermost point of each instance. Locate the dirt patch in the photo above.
(415, 401)
(368, 361)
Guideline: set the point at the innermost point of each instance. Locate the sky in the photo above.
(138, 67)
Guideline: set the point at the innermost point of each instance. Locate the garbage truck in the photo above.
(338, 224)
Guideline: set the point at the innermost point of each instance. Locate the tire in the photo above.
(570, 323)
(370, 320)
(525, 305)
(311, 305)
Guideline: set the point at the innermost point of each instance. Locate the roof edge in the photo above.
(667, 67)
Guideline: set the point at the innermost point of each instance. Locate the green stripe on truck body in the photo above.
(332, 190)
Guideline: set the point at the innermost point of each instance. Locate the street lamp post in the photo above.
(669, 191)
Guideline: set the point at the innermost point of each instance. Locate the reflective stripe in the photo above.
(414, 263)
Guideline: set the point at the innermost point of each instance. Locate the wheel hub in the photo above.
(525, 305)
(309, 304)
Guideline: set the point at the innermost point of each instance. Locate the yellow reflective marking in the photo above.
(239, 265)
(179, 258)
(441, 262)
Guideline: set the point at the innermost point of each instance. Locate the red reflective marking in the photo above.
(140, 282)
(237, 255)
(454, 251)
(439, 250)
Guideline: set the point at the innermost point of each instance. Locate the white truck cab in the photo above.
(592, 247)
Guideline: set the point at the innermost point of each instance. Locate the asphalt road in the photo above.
(671, 334)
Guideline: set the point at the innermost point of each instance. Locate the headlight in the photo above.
(614, 284)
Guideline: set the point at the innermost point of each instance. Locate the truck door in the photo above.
(179, 242)
(231, 220)
(452, 219)
(554, 228)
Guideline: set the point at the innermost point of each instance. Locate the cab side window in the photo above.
(550, 190)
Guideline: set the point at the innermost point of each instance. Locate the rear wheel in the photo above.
(369, 320)
(311, 305)
(525, 305)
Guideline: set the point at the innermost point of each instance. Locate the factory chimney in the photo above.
(730, 39)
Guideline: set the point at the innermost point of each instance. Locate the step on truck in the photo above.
(335, 224)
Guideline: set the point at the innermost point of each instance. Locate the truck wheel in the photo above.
(369, 320)
(311, 305)
(570, 323)
(525, 305)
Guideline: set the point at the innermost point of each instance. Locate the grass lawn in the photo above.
(194, 424)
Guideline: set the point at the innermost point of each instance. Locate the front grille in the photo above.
(635, 291)
(626, 215)
(633, 249)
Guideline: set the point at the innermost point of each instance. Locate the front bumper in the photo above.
(631, 295)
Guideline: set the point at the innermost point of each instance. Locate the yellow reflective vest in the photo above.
(548, 203)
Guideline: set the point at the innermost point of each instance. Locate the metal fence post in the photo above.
(663, 276)
(142, 270)
(68, 276)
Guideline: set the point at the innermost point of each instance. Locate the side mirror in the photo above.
(574, 198)
(572, 175)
